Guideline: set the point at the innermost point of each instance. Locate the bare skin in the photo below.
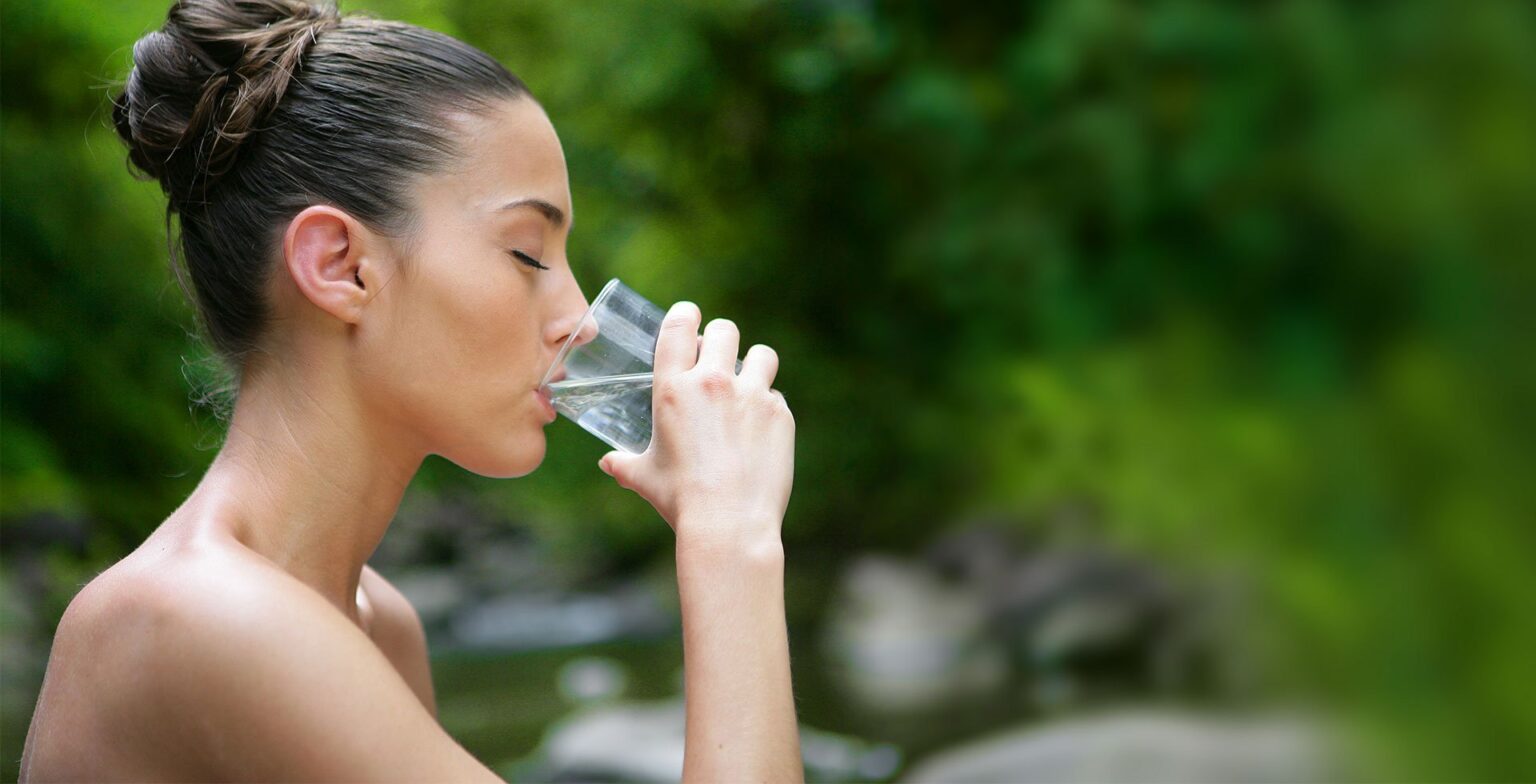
(246, 639)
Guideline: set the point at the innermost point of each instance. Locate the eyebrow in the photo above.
(550, 211)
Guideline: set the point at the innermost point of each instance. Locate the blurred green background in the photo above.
(1241, 292)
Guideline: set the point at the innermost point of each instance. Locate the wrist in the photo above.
(729, 543)
(717, 575)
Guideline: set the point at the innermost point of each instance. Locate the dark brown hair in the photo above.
(248, 111)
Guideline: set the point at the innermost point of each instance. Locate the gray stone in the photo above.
(588, 679)
(1138, 746)
(626, 742)
(523, 621)
(645, 742)
(901, 640)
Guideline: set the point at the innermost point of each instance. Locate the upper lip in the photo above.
(557, 376)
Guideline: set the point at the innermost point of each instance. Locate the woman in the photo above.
(373, 223)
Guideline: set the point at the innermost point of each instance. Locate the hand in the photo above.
(721, 459)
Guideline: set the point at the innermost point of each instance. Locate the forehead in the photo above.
(510, 152)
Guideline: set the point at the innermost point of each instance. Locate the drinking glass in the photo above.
(603, 381)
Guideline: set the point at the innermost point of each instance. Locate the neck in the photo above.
(307, 478)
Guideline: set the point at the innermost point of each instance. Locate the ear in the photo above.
(325, 251)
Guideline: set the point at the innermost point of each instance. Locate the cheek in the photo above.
(455, 348)
(487, 333)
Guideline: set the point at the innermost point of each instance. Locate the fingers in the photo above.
(677, 345)
(721, 343)
(760, 366)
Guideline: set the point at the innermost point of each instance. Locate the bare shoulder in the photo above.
(153, 614)
(392, 611)
(154, 607)
(397, 630)
(214, 666)
(155, 650)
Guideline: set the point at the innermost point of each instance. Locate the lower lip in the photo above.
(549, 408)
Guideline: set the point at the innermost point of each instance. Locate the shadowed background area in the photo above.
(1162, 374)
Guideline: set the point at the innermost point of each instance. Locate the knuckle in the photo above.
(666, 392)
(715, 383)
(767, 404)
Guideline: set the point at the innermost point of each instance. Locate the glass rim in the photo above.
(565, 348)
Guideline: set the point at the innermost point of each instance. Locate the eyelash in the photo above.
(526, 259)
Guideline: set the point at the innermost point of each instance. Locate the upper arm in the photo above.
(286, 689)
(398, 632)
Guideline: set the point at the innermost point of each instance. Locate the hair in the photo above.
(249, 111)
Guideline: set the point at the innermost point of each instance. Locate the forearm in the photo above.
(740, 706)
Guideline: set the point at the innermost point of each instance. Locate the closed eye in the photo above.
(526, 259)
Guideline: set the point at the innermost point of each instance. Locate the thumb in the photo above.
(621, 466)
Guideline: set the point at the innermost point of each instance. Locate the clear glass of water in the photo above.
(603, 381)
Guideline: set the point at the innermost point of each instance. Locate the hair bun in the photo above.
(203, 83)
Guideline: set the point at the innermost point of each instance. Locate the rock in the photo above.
(1072, 613)
(977, 554)
(903, 641)
(645, 742)
(523, 621)
(1138, 746)
(587, 679)
(830, 756)
(626, 742)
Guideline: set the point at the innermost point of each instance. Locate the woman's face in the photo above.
(470, 326)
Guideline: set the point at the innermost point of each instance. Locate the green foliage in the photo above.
(95, 416)
(1252, 281)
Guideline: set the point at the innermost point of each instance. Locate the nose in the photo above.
(571, 307)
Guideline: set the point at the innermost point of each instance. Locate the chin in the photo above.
(508, 459)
